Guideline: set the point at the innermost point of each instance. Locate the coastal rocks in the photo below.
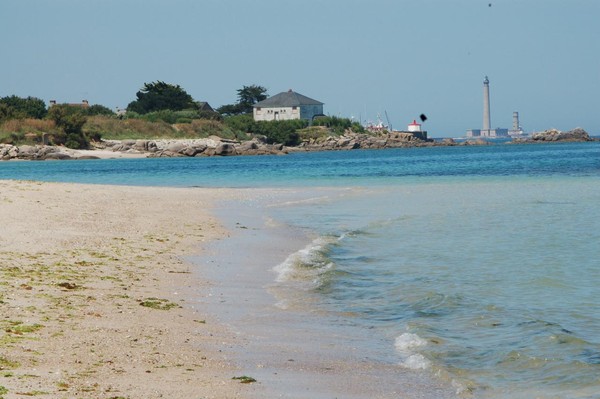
(577, 134)
(32, 152)
(351, 141)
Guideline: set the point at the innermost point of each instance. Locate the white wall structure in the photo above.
(414, 126)
(286, 106)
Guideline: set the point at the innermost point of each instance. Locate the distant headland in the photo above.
(165, 121)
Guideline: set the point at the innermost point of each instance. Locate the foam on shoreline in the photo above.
(295, 351)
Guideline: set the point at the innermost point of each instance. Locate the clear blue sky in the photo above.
(359, 57)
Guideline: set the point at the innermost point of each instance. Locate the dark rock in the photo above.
(58, 155)
(577, 134)
(224, 149)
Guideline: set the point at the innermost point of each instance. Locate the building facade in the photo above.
(287, 106)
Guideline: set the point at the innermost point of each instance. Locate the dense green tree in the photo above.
(250, 95)
(247, 97)
(97, 109)
(30, 107)
(70, 120)
(158, 96)
(6, 112)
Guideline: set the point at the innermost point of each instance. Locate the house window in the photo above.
(258, 108)
(294, 108)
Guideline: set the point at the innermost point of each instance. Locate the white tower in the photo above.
(486, 105)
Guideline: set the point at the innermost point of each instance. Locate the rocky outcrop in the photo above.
(577, 134)
(31, 152)
(212, 146)
(352, 141)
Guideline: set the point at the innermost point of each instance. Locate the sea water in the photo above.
(479, 264)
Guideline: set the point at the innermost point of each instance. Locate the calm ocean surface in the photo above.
(478, 263)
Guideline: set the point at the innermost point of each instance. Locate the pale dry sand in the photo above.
(76, 263)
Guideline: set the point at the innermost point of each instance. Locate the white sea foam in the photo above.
(408, 341)
(306, 264)
(405, 346)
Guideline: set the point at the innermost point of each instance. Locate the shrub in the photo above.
(338, 125)
(26, 131)
(70, 120)
(30, 107)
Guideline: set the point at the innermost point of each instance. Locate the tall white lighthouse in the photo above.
(486, 105)
(487, 130)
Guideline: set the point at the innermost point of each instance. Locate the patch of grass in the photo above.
(18, 328)
(7, 364)
(3, 391)
(157, 303)
(32, 393)
(245, 379)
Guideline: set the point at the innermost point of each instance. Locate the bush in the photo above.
(30, 107)
(284, 132)
(241, 123)
(200, 128)
(70, 120)
(26, 131)
(338, 125)
(98, 110)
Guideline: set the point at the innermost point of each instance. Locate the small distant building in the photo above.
(82, 104)
(287, 106)
(414, 127)
(204, 106)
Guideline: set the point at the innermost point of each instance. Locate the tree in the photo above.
(158, 96)
(70, 120)
(97, 109)
(247, 97)
(250, 95)
(30, 107)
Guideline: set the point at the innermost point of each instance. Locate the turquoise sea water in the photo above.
(478, 263)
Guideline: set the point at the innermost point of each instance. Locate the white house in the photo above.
(287, 105)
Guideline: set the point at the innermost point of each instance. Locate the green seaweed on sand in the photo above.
(245, 379)
(7, 364)
(157, 303)
(18, 328)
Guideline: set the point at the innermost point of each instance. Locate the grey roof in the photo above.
(287, 99)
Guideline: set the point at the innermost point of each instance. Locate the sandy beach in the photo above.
(94, 290)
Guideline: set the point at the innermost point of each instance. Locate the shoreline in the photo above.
(293, 349)
(216, 146)
(96, 297)
(107, 295)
